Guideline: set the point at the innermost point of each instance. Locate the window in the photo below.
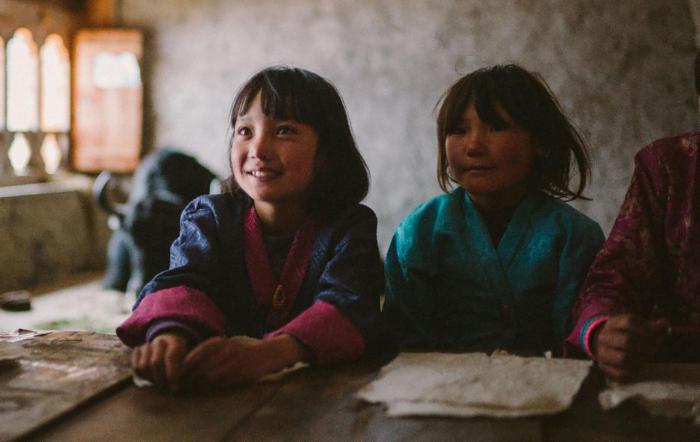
(46, 119)
(37, 117)
(55, 102)
(2, 85)
(108, 97)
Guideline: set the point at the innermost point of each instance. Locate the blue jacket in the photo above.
(344, 272)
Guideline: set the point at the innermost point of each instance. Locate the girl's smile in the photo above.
(264, 174)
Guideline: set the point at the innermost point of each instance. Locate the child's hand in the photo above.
(160, 361)
(624, 342)
(223, 361)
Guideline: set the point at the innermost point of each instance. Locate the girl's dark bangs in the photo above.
(244, 99)
(485, 97)
(279, 103)
(455, 105)
(480, 91)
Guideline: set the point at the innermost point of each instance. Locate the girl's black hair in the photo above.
(341, 177)
(528, 101)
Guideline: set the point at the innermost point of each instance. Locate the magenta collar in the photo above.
(278, 294)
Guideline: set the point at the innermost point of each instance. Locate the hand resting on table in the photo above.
(216, 362)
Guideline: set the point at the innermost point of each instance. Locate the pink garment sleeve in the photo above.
(322, 328)
(627, 269)
(183, 304)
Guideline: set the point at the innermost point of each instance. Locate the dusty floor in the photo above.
(78, 304)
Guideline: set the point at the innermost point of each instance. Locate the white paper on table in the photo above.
(670, 390)
(475, 384)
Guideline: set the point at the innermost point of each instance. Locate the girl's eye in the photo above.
(285, 130)
(243, 131)
(459, 130)
(499, 127)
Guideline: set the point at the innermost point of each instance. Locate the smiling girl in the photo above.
(495, 263)
(282, 269)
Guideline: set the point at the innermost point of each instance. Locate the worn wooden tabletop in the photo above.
(45, 375)
(320, 404)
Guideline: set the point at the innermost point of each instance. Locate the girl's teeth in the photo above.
(262, 173)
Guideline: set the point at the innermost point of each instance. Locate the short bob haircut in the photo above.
(526, 98)
(341, 177)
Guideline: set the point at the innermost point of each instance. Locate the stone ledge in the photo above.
(54, 230)
(59, 184)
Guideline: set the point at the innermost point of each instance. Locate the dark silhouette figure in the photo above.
(148, 222)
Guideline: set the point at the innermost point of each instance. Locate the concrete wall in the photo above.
(622, 72)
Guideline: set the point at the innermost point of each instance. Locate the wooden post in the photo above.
(102, 13)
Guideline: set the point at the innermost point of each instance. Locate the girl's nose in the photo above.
(260, 147)
(475, 142)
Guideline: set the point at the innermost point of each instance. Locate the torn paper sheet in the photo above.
(669, 390)
(474, 384)
(21, 334)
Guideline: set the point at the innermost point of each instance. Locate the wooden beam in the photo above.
(102, 13)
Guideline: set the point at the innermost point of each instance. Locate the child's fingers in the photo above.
(631, 334)
(142, 361)
(202, 353)
(156, 362)
(623, 344)
(630, 324)
(615, 373)
(225, 374)
(614, 357)
(137, 358)
(616, 340)
(174, 356)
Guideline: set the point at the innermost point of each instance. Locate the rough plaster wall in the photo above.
(620, 69)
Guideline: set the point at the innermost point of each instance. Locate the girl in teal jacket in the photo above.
(497, 262)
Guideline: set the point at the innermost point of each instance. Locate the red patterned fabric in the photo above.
(321, 327)
(262, 277)
(182, 304)
(650, 263)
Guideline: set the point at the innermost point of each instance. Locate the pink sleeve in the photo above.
(331, 336)
(189, 306)
(628, 261)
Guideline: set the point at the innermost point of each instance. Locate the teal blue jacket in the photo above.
(448, 288)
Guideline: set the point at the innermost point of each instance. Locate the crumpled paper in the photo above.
(475, 384)
(669, 390)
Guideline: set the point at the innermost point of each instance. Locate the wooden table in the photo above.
(319, 404)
